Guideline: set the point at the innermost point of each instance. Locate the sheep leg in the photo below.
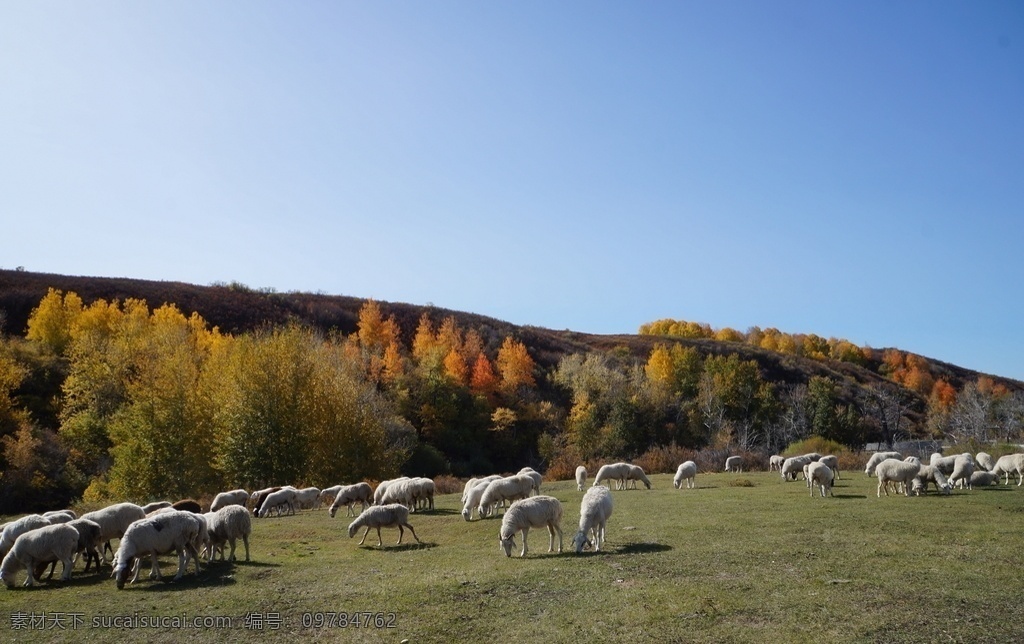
(409, 525)
(182, 564)
(526, 531)
(380, 542)
(401, 533)
(551, 538)
(364, 535)
(68, 565)
(245, 540)
(154, 570)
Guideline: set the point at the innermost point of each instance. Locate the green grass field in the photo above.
(726, 562)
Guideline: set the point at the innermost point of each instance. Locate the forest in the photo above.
(118, 397)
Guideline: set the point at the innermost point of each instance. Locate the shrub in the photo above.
(445, 484)
(664, 459)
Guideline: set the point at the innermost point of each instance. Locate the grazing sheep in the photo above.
(929, 474)
(157, 535)
(832, 461)
(113, 521)
(510, 488)
(535, 475)
(328, 493)
(984, 459)
(473, 498)
(259, 497)
(983, 478)
(394, 515)
(817, 473)
(685, 472)
(224, 499)
(88, 542)
(944, 464)
(531, 512)
(187, 505)
(228, 524)
(895, 471)
(595, 510)
(775, 463)
(1010, 463)
(616, 471)
(60, 516)
(306, 498)
(636, 473)
(581, 477)
(793, 466)
(877, 458)
(382, 488)
(734, 464)
(963, 467)
(285, 497)
(150, 508)
(421, 490)
(40, 546)
(348, 495)
(15, 529)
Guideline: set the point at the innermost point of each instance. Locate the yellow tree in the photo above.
(455, 367)
(483, 380)
(515, 365)
(371, 326)
(659, 366)
(50, 323)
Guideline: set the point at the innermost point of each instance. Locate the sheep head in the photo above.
(507, 543)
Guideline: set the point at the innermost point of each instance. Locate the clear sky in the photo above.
(851, 169)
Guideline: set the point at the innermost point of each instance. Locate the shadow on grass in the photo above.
(437, 512)
(393, 547)
(849, 496)
(639, 548)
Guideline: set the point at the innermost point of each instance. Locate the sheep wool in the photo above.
(595, 510)
(581, 477)
(40, 546)
(686, 471)
(532, 512)
(394, 515)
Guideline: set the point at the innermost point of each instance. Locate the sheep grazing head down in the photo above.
(121, 572)
(507, 543)
(580, 541)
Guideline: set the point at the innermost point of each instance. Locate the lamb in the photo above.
(985, 460)
(228, 524)
(930, 474)
(895, 471)
(150, 508)
(982, 478)
(963, 468)
(533, 512)
(474, 496)
(636, 473)
(775, 463)
(347, 495)
(616, 471)
(595, 510)
(877, 458)
(157, 535)
(535, 475)
(383, 516)
(685, 472)
(793, 465)
(306, 498)
(15, 529)
(510, 488)
(114, 520)
(734, 464)
(817, 473)
(1010, 463)
(581, 477)
(832, 461)
(40, 546)
(278, 500)
(224, 499)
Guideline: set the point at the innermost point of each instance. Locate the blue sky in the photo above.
(848, 169)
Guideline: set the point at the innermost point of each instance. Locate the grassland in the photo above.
(742, 558)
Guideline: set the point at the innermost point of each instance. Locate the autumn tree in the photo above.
(515, 366)
(51, 322)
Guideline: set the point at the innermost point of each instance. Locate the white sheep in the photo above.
(224, 499)
(581, 477)
(685, 472)
(60, 516)
(963, 467)
(877, 458)
(535, 475)
(775, 462)
(895, 471)
(40, 546)
(944, 464)
(832, 461)
(160, 534)
(532, 512)
(614, 471)
(328, 493)
(473, 482)
(150, 508)
(793, 466)
(15, 529)
(113, 521)
(817, 473)
(636, 473)
(595, 510)
(394, 515)
(985, 460)
(382, 488)
(282, 500)
(473, 498)
(88, 542)
(734, 464)
(306, 498)
(228, 524)
(930, 474)
(1010, 463)
(983, 478)
(509, 488)
(421, 491)
(348, 495)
